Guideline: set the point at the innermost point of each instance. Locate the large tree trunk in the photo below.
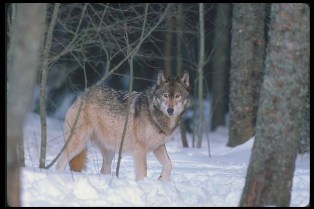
(283, 97)
(247, 57)
(28, 31)
(304, 144)
(220, 65)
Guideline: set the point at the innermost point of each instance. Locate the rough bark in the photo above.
(220, 65)
(247, 58)
(28, 31)
(304, 144)
(283, 97)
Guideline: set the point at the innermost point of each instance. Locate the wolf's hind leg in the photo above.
(76, 146)
(107, 156)
(162, 156)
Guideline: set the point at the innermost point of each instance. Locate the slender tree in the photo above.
(200, 74)
(44, 73)
(179, 28)
(179, 25)
(25, 44)
(283, 99)
(247, 57)
(169, 38)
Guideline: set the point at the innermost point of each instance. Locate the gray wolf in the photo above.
(154, 114)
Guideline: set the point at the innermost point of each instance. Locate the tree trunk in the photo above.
(168, 41)
(179, 26)
(28, 31)
(283, 97)
(247, 58)
(183, 135)
(44, 73)
(200, 75)
(12, 34)
(304, 144)
(179, 23)
(220, 65)
(194, 119)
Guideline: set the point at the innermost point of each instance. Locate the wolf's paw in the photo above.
(105, 171)
(163, 178)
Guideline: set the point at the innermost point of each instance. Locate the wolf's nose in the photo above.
(170, 110)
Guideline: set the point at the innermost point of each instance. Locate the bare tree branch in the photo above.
(44, 73)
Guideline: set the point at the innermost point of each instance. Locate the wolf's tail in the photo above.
(78, 163)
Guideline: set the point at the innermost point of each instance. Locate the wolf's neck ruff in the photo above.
(165, 124)
(162, 122)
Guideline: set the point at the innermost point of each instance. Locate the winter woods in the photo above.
(248, 68)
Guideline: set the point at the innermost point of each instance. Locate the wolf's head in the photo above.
(172, 94)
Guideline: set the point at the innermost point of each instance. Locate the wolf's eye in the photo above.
(165, 95)
(178, 95)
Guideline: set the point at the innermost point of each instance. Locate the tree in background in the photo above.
(281, 107)
(247, 58)
(44, 74)
(201, 62)
(168, 39)
(220, 64)
(179, 26)
(26, 32)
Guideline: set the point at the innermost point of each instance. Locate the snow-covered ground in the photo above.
(196, 178)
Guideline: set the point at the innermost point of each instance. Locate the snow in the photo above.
(196, 178)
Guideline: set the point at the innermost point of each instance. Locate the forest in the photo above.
(248, 65)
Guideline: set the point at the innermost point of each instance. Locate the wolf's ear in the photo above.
(184, 79)
(161, 78)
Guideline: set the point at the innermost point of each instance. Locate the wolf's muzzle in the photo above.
(170, 111)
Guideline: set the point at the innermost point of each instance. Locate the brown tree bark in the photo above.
(283, 98)
(247, 58)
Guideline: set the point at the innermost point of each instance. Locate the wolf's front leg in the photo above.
(140, 161)
(162, 156)
(107, 156)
